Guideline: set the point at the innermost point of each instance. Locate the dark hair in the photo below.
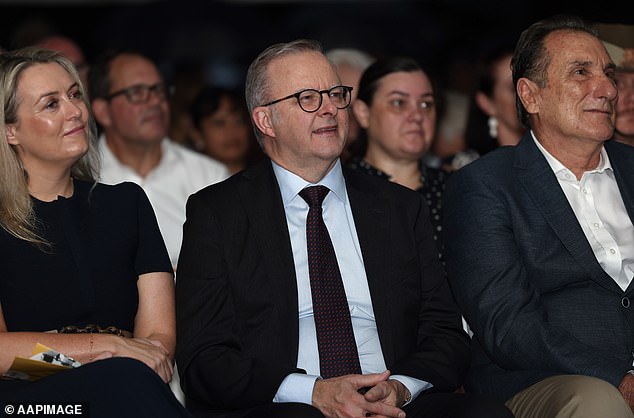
(369, 83)
(370, 79)
(207, 102)
(531, 60)
(477, 132)
(99, 81)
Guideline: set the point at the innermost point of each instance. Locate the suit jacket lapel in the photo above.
(542, 185)
(263, 204)
(372, 222)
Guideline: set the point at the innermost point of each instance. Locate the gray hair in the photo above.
(257, 81)
(351, 57)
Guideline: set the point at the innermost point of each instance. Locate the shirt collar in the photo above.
(291, 184)
(558, 167)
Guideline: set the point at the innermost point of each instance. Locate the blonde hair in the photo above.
(16, 208)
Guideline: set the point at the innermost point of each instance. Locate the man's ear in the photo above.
(528, 92)
(263, 121)
(361, 113)
(102, 112)
(11, 132)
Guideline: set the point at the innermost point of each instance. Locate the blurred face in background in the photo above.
(401, 121)
(225, 134)
(625, 106)
(71, 50)
(350, 76)
(136, 121)
(501, 103)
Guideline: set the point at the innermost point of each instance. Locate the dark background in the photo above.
(216, 40)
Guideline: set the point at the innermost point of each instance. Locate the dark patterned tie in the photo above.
(335, 339)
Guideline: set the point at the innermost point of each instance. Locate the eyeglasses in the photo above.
(310, 100)
(140, 93)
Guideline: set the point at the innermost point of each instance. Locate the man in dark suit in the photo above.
(249, 315)
(540, 242)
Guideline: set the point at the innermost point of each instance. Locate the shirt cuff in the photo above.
(415, 386)
(296, 387)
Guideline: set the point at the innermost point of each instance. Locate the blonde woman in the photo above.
(85, 270)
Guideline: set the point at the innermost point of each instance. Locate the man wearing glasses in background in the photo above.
(130, 103)
(301, 284)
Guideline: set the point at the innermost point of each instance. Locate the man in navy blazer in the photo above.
(540, 242)
(246, 336)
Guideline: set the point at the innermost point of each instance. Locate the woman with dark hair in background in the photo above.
(396, 108)
(222, 129)
(85, 270)
(493, 120)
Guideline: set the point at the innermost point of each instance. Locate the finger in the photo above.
(384, 416)
(161, 368)
(167, 376)
(160, 345)
(369, 380)
(167, 368)
(380, 408)
(163, 375)
(376, 393)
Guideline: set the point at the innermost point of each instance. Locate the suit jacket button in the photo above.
(625, 302)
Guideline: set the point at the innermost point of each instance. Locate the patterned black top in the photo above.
(433, 186)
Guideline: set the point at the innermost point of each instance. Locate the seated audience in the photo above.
(539, 240)
(270, 323)
(221, 128)
(396, 108)
(130, 101)
(85, 269)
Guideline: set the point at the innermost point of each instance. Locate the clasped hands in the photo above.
(341, 396)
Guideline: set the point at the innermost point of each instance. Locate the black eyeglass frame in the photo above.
(347, 89)
(167, 91)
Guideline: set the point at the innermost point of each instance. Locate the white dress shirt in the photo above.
(180, 173)
(599, 208)
(339, 221)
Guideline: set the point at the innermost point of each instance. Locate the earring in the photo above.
(493, 127)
